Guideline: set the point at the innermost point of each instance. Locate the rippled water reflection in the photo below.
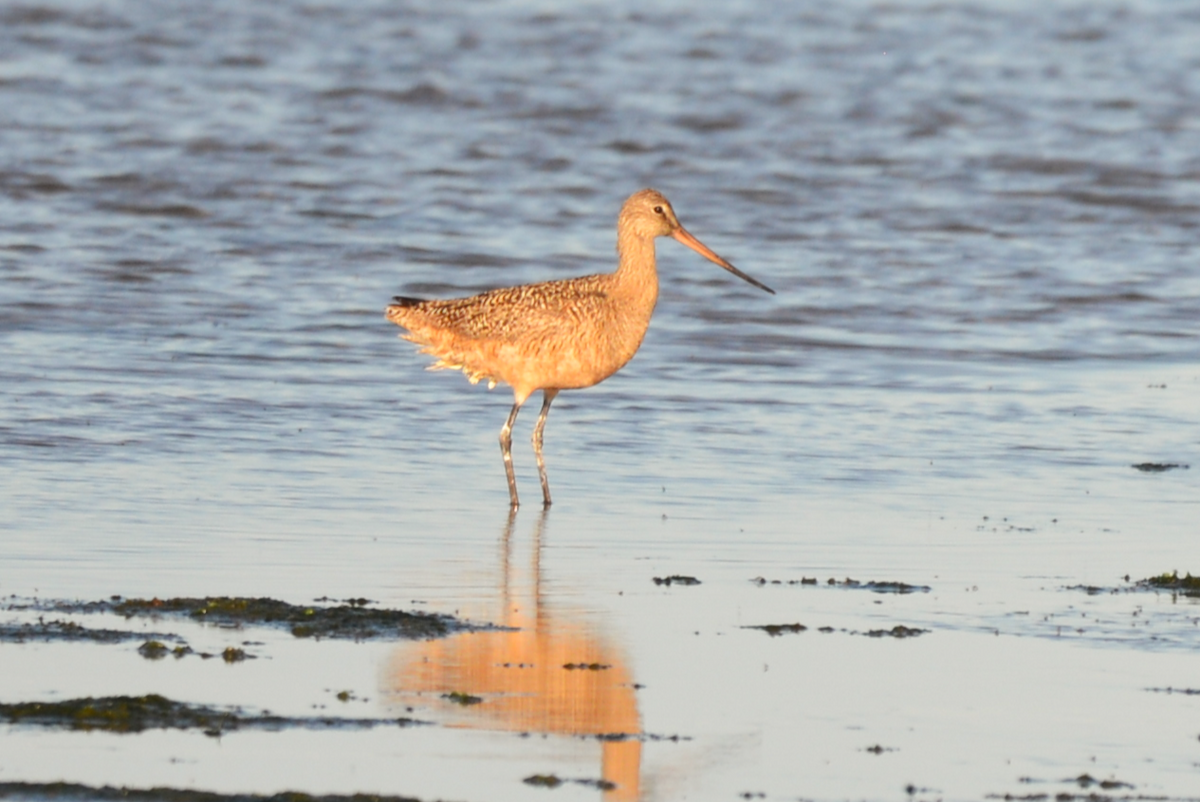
(981, 221)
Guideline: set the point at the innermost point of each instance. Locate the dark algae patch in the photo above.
(153, 646)
(644, 737)
(892, 587)
(232, 654)
(115, 714)
(156, 650)
(775, 630)
(602, 785)
(1093, 790)
(353, 619)
(848, 584)
(1188, 585)
(91, 793)
(153, 650)
(1087, 781)
(898, 631)
(1158, 467)
(69, 631)
(464, 699)
(676, 579)
(553, 781)
(127, 714)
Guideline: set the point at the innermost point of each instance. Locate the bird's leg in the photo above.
(547, 397)
(506, 452)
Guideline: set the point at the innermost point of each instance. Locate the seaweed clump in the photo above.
(898, 631)
(351, 620)
(129, 714)
(554, 781)
(1188, 585)
(69, 631)
(879, 587)
(775, 630)
(676, 579)
(543, 780)
(153, 650)
(464, 699)
(587, 666)
(115, 714)
(105, 793)
(1158, 467)
(886, 586)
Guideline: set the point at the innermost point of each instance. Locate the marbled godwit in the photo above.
(556, 335)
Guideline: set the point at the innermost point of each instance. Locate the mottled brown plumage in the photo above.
(556, 335)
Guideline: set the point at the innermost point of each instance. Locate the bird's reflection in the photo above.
(552, 673)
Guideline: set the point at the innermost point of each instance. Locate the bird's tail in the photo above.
(404, 310)
(403, 300)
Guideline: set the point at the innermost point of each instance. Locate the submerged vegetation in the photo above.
(127, 714)
(90, 793)
(848, 584)
(553, 781)
(464, 699)
(59, 630)
(676, 579)
(157, 650)
(348, 620)
(898, 631)
(351, 619)
(543, 780)
(1188, 585)
(775, 630)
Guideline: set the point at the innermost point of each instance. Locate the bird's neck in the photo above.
(636, 275)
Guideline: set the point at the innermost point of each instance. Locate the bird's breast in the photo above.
(596, 342)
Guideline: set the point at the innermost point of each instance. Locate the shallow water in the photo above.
(981, 221)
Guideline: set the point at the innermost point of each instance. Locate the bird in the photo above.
(555, 335)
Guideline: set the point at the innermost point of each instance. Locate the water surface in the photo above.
(981, 221)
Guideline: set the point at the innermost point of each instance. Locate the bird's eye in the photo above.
(658, 210)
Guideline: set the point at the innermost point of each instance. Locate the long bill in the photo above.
(681, 235)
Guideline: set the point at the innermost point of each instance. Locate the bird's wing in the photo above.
(513, 314)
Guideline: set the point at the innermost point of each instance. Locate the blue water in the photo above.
(981, 222)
